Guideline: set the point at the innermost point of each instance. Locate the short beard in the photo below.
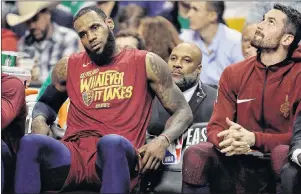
(188, 81)
(106, 56)
(44, 35)
(266, 45)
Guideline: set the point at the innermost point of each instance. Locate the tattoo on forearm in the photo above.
(155, 67)
(164, 84)
(178, 122)
(60, 71)
(171, 98)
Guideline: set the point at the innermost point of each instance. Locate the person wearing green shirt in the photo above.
(72, 6)
(44, 86)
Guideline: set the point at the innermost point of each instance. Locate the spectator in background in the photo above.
(71, 6)
(6, 7)
(177, 15)
(220, 45)
(45, 40)
(13, 116)
(111, 8)
(259, 8)
(248, 33)
(152, 8)
(160, 36)
(130, 16)
(129, 39)
(57, 13)
(8, 38)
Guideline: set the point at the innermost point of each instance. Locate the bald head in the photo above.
(248, 33)
(185, 64)
(189, 49)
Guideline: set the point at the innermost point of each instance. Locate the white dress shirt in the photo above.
(189, 93)
(225, 50)
(295, 156)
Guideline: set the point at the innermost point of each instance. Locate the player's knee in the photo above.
(195, 161)
(200, 151)
(111, 141)
(30, 141)
(279, 151)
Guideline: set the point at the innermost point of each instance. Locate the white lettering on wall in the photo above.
(195, 136)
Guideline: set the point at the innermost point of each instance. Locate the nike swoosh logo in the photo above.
(86, 64)
(244, 100)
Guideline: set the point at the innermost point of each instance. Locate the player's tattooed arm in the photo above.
(174, 102)
(59, 77)
(169, 95)
(59, 74)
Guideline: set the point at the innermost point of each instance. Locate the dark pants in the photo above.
(7, 168)
(291, 178)
(43, 164)
(204, 166)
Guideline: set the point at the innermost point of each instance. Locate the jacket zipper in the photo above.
(262, 99)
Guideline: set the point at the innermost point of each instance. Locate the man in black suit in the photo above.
(291, 172)
(185, 66)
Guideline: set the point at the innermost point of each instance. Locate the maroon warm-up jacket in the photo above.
(261, 99)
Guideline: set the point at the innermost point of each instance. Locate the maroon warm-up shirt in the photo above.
(261, 99)
(111, 99)
(108, 99)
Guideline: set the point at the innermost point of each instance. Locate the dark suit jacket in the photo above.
(201, 104)
(296, 139)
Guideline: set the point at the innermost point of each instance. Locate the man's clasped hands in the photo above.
(236, 139)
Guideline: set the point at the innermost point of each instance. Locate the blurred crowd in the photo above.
(223, 31)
